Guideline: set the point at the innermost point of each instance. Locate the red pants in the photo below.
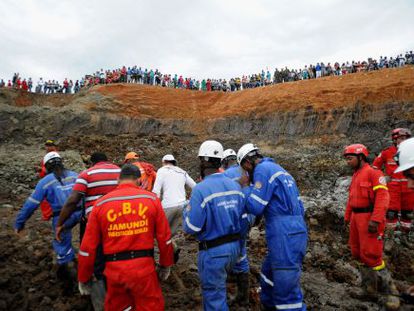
(135, 294)
(365, 246)
(46, 210)
(401, 200)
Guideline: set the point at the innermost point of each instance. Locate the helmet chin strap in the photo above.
(359, 162)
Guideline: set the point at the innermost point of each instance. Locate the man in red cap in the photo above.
(148, 174)
(401, 197)
(367, 204)
(126, 221)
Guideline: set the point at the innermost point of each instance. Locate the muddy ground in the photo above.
(27, 272)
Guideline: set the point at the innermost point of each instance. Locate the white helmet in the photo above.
(229, 153)
(211, 149)
(245, 150)
(405, 155)
(49, 156)
(168, 157)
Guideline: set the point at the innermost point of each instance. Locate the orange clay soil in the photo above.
(379, 87)
(385, 86)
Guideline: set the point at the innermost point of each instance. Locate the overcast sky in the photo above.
(197, 38)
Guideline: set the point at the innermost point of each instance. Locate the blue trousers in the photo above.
(213, 266)
(282, 267)
(64, 250)
(242, 263)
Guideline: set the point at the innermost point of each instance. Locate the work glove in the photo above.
(372, 227)
(84, 288)
(164, 273)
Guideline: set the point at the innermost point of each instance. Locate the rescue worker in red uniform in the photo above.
(148, 172)
(125, 222)
(405, 159)
(401, 197)
(45, 207)
(367, 204)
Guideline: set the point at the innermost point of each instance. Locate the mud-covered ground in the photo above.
(27, 271)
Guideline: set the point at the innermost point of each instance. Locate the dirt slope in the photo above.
(326, 93)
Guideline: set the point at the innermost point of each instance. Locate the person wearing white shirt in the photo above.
(170, 187)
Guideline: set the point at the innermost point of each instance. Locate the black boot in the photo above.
(369, 285)
(242, 297)
(177, 251)
(65, 277)
(387, 287)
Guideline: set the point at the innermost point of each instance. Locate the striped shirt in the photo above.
(97, 181)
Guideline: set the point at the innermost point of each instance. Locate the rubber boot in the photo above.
(387, 287)
(369, 281)
(176, 254)
(177, 251)
(242, 297)
(369, 287)
(65, 277)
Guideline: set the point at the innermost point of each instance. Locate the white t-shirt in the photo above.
(171, 181)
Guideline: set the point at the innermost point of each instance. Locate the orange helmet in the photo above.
(400, 132)
(356, 149)
(131, 155)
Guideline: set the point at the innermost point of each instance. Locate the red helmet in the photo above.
(356, 149)
(400, 132)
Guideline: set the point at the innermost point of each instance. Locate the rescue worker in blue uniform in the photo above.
(275, 195)
(241, 268)
(55, 187)
(214, 216)
(230, 166)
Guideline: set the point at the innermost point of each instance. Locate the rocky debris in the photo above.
(19, 165)
(27, 262)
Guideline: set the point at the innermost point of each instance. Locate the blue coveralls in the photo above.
(55, 193)
(216, 208)
(234, 172)
(276, 195)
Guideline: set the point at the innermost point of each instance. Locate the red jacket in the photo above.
(127, 219)
(386, 159)
(368, 188)
(148, 175)
(42, 172)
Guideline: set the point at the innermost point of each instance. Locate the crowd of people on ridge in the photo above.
(146, 76)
